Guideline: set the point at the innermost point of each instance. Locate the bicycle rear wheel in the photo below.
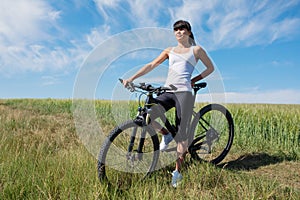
(128, 154)
(213, 130)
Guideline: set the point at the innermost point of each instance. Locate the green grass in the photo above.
(41, 156)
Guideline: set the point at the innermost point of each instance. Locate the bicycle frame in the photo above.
(144, 113)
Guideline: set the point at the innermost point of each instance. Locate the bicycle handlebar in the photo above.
(149, 88)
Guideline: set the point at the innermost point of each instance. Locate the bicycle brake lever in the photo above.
(173, 87)
(130, 87)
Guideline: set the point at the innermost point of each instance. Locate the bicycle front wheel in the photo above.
(213, 130)
(128, 154)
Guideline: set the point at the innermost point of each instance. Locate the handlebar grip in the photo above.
(129, 86)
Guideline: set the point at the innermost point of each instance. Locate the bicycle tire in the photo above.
(117, 166)
(213, 133)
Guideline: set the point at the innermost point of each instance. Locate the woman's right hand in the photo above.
(126, 82)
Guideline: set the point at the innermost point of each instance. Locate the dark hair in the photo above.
(181, 24)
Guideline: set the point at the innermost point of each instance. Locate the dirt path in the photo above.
(278, 168)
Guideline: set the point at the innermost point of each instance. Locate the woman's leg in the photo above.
(157, 126)
(181, 152)
(184, 106)
(165, 102)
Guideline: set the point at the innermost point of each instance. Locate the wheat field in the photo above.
(42, 157)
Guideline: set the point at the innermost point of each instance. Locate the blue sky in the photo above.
(44, 45)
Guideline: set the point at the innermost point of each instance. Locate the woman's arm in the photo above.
(149, 67)
(201, 55)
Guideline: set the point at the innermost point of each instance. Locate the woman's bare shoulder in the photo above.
(167, 50)
(198, 48)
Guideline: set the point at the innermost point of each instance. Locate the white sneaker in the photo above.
(165, 141)
(176, 178)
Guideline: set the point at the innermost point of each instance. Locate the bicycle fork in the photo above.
(137, 154)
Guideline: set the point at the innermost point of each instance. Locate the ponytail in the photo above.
(192, 39)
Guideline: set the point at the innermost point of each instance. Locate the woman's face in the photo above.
(182, 34)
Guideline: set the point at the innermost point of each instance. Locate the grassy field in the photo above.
(41, 157)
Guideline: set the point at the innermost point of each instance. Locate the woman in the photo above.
(182, 60)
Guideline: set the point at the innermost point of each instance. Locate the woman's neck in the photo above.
(183, 45)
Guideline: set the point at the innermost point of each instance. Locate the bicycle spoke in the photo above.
(213, 134)
(128, 154)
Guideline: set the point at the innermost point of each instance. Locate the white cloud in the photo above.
(25, 20)
(216, 24)
(287, 28)
(50, 80)
(32, 40)
(98, 35)
(238, 23)
(270, 97)
(107, 3)
(135, 13)
(103, 5)
(146, 14)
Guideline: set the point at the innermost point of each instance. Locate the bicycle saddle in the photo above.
(198, 86)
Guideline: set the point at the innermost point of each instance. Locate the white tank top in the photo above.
(181, 67)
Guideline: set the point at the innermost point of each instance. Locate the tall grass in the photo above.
(41, 156)
(267, 127)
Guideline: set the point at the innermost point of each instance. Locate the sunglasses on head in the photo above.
(180, 28)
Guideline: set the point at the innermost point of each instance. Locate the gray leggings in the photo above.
(184, 103)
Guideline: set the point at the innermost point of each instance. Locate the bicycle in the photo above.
(131, 151)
